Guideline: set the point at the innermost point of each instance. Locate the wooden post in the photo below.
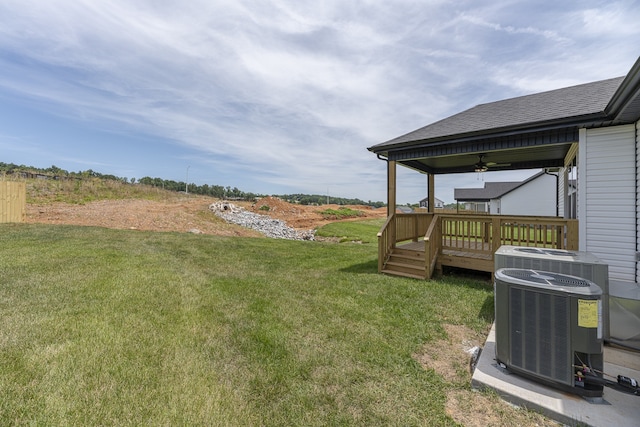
(391, 202)
(427, 257)
(438, 247)
(573, 235)
(391, 187)
(495, 235)
(432, 197)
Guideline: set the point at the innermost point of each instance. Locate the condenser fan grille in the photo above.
(545, 252)
(546, 278)
(530, 250)
(558, 253)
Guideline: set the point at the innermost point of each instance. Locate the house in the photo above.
(588, 133)
(424, 203)
(536, 195)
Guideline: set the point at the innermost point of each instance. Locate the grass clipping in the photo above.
(450, 358)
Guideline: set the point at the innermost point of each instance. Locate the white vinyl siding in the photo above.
(607, 195)
(637, 195)
(494, 207)
(536, 197)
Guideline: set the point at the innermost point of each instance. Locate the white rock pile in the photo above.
(266, 225)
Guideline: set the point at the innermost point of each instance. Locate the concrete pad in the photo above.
(613, 409)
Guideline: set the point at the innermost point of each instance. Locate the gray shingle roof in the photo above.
(555, 105)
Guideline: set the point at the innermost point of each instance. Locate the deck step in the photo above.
(418, 261)
(406, 263)
(408, 252)
(402, 266)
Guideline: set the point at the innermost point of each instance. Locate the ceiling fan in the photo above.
(483, 166)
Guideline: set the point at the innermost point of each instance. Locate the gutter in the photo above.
(625, 93)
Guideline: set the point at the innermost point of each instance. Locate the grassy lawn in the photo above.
(108, 327)
(359, 231)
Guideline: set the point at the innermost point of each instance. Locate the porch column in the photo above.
(432, 189)
(391, 187)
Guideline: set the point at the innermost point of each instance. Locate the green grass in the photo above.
(89, 190)
(111, 327)
(341, 213)
(352, 231)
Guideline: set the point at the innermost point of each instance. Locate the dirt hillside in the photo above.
(184, 213)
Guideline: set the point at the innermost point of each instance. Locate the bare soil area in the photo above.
(182, 214)
(450, 358)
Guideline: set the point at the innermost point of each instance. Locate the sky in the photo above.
(282, 97)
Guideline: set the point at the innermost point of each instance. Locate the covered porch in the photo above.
(522, 133)
(419, 245)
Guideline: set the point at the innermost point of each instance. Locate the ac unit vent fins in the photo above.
(540, 339)
(547, 278)
(546, 252)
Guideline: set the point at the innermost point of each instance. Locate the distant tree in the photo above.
(56, 171)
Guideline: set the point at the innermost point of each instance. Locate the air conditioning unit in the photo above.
(573, 263)
(549, 328)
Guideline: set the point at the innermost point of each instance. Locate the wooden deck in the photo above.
(413, 246)
(464, 241)
(470, 255)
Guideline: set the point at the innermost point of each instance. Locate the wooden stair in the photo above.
(406, 263)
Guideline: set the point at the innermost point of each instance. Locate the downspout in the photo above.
(557, 191)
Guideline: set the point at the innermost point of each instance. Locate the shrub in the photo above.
(340, 213)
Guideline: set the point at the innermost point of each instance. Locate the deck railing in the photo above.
(555, 233)
(400, 228)
(411, 226)
(386, 241)
(476, 231)
(473, 236)
(432, 239)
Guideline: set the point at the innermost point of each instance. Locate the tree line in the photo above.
(317, 199)
(218, 191)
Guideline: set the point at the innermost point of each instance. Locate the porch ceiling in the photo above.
(529, 150)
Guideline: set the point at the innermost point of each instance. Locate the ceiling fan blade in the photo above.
(482, 166)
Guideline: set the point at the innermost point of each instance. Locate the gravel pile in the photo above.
(266, 225)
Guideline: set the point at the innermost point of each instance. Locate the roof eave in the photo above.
(594, 119)
(625, 102)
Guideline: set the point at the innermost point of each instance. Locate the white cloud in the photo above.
(510, 29)
(290, 93)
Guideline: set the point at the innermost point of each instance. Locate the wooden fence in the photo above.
(13, 201)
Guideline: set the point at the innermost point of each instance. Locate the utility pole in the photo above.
(186, 185)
